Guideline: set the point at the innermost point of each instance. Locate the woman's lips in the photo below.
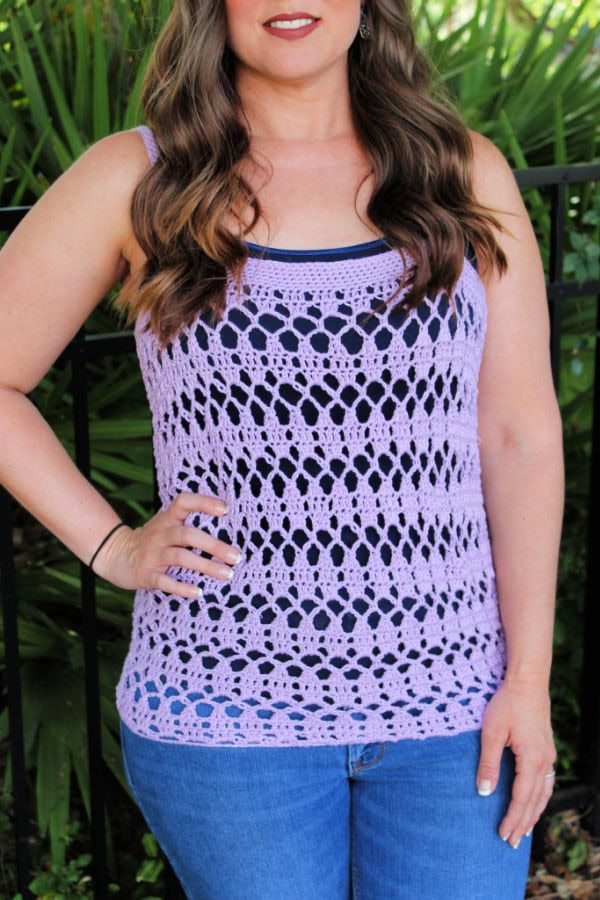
(291, 26)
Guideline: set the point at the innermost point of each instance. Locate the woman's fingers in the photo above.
(169, 585)
(187, 559)
(531, 791)
(518, 819)
(519, 720)
(140, 558)
(187, 536)
(186, 503)
(493, 743)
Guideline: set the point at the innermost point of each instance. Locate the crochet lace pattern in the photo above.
(364, 607)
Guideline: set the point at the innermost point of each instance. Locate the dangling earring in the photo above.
(364, 29)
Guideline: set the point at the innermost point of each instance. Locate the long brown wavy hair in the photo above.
(419, 149)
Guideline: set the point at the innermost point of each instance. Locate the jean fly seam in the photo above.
(353, 869)
(378, 758)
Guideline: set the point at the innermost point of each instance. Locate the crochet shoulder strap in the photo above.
(149, 142)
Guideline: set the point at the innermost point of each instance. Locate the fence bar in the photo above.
(557, 254)
(98, 346)
(14, 700)
(589, 748)
(10, 216)
(89, 630)
(571, 290)
(545, 176)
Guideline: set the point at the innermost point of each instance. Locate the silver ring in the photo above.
(550, 774)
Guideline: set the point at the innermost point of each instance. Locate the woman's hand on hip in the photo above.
(140, 557)
(518, 716)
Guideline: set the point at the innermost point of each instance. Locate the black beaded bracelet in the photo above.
(103, 541)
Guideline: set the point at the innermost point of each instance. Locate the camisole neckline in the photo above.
(355, 251)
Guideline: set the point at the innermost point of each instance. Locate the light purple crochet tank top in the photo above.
(364, 608)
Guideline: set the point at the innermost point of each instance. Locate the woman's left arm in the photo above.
(522, 474)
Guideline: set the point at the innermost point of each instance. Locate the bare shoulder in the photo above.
(110, 168)
(69, 251)
(107, 174)
(123, 152)
(493, 180)
(95, 191)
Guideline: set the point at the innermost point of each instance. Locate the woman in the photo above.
(331, 689)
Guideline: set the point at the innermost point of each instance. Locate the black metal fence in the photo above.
(85, 349)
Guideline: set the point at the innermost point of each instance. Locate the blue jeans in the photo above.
(381, 821)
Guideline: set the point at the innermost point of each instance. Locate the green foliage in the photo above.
(569, 844)
(7, 845)
(64, 882)
(54, 715)
(70, 74)
(67, 879)
(72, 877)
(536, 86)
(153, 865)
(584, 259)
(579, 327)
(50, 630)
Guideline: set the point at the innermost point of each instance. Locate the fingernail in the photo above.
(505, 837)
(199, 591)
(222, 508)
(528, 833)
(233, 556)
(484, 788)
(225, 572)
(515, 846)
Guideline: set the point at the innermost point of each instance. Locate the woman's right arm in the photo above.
(69, 251)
